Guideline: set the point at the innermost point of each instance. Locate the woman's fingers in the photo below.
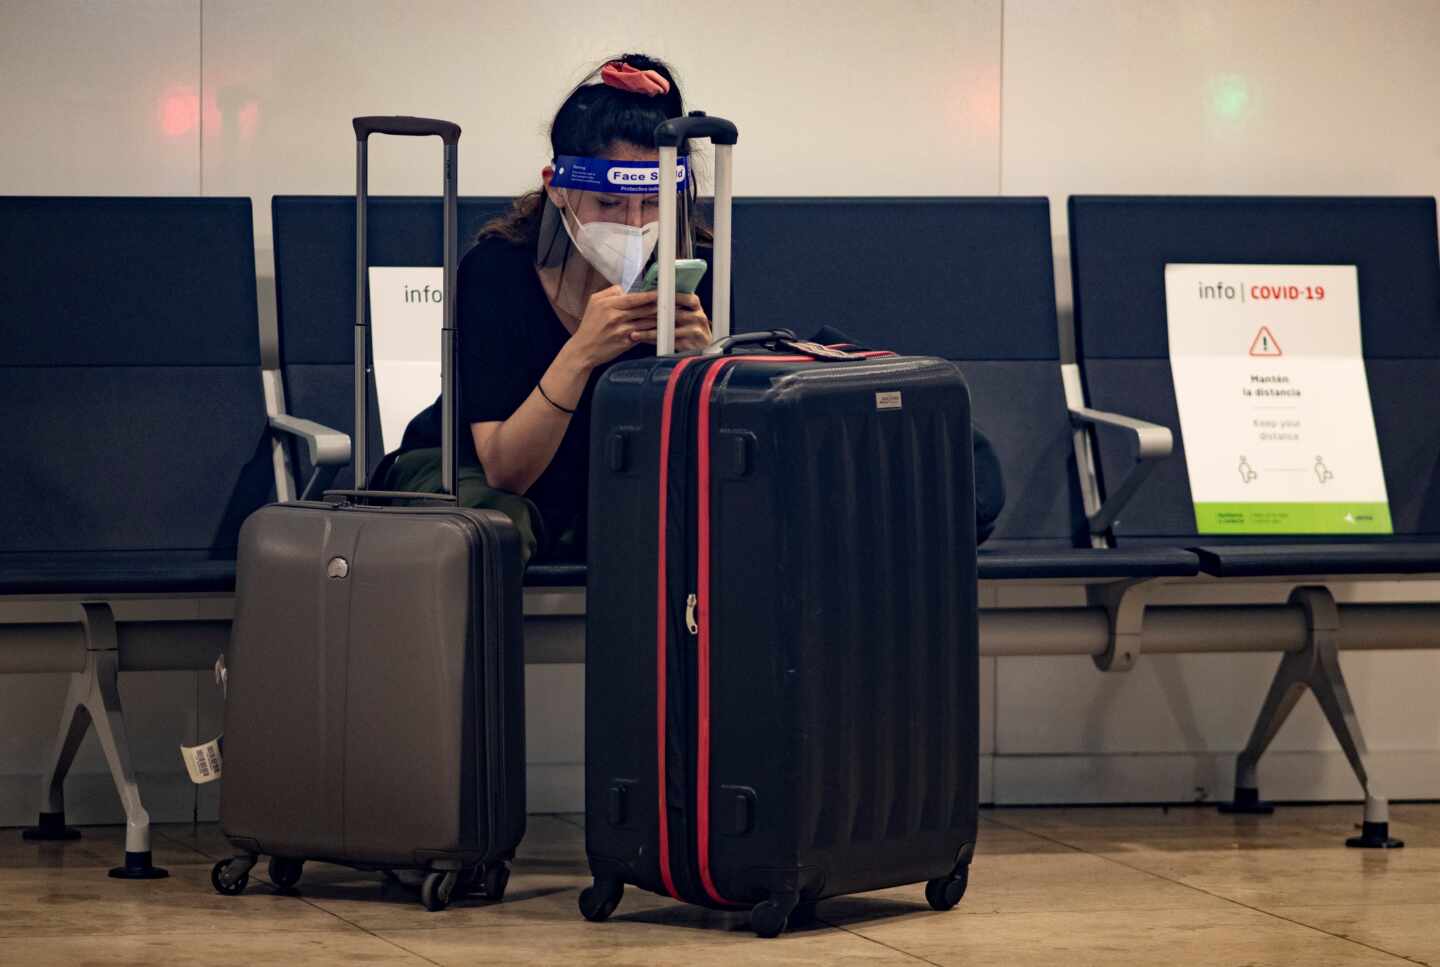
(630, 300)
(689, 336)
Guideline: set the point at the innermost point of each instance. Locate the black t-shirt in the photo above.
(508, 337)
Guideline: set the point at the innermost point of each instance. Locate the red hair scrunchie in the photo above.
(621, 75)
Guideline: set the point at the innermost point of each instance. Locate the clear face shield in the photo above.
(600, 226)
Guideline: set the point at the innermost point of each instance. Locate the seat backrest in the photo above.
(1120, 246)
(131, 412)
(970, 279)
(315, 295)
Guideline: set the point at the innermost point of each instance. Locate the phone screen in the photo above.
(688, 273)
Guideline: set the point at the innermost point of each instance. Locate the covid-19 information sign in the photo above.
(1274, 402)
(406, 312)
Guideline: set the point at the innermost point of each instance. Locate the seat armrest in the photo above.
(329, 450)
(1153, 443)
(328, 447)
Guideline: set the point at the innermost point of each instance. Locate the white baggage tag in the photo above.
(202, 761)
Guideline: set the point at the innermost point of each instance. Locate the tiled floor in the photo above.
(1052, 886)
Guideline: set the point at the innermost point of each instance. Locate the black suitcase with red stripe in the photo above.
(781, 650)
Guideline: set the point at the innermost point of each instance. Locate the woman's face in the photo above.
(593, 206)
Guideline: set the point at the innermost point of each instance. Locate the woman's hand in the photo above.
(692, 326)
(612, 316)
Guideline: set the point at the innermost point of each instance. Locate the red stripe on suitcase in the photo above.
(702, 600)
(662, 626)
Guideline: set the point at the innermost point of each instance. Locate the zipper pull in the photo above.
(690, 603)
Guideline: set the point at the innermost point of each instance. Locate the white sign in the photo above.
(1274, 401)
(406, 313)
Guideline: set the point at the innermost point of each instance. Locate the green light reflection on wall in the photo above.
(1229, 96)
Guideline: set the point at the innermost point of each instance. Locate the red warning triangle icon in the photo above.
(1265, 344)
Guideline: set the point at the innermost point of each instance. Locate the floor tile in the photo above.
(1409, 930)
(209, 949)
(1071, 886)
(1175, 938)
(69, 902)
(1023, 883)
(681, 936)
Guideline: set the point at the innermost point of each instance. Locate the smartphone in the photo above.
(688, 273)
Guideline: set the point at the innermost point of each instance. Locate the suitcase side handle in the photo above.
(406, 127)
(668, 138)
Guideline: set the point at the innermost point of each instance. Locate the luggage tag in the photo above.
(203, 761)
(817, 350)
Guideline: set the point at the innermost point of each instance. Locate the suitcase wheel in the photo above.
(229, 877)
(771, 917)
(494, 880)
(597, 902)
(944, 892)
(285, 873)
(436, 890)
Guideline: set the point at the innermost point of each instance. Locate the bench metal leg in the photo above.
(74, 722)
(1315, 667)
(94, 699)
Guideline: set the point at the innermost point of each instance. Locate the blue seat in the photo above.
(970, 279)
(136, 441)
(135, 430)
(1120, 247)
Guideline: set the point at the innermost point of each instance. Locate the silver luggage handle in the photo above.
(668, 137)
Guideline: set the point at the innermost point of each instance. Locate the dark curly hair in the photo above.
(593, 116)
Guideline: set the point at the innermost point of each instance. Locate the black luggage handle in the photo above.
(361, 496)
(697, 124)
(449, 132)
(722, 347)
(406, 127)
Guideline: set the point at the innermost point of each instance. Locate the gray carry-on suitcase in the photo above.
(375, 711)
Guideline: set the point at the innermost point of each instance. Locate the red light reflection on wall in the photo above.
(248, 120)
(179, 113)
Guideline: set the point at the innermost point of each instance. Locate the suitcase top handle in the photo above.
(407, 127)
(698, 124)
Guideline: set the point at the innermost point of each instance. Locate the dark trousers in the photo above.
(418, 471)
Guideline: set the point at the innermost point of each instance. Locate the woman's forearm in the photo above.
(516, 452)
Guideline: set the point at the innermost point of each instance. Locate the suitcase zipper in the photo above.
(690, 622)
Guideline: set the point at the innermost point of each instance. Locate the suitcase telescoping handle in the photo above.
(449, 133)
(669, 136)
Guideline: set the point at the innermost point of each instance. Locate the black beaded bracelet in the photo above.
(541, 388)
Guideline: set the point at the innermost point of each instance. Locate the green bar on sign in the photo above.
(1293, 518)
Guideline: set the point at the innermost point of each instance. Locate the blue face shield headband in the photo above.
(615, 177)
